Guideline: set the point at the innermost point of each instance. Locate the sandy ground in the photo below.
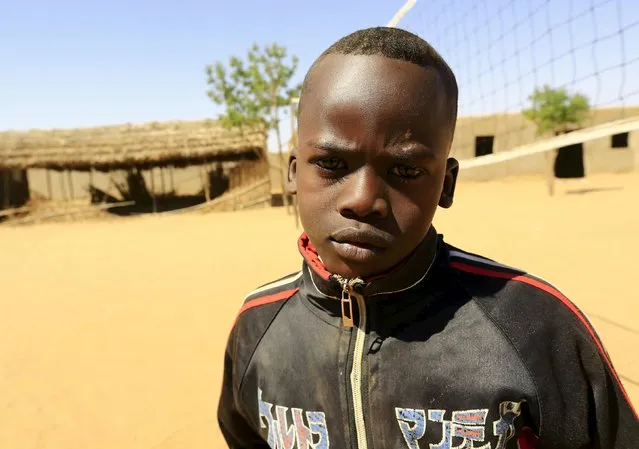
(113, 332)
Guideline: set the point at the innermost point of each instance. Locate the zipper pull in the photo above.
(347, 299)
(347, 304)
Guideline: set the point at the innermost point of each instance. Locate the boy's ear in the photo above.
(291, 184)
(450, 182)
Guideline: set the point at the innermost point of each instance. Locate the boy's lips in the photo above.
(363, 237)
(360, 245)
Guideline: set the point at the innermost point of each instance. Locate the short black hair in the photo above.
(393, 43)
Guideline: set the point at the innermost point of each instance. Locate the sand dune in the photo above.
(113, 332)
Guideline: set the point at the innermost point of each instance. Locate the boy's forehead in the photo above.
(353, 76)
(371, 84)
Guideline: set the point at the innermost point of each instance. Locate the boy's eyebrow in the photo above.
(401, 150)
(331, 145)
(412, 152)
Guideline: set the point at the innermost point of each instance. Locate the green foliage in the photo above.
(554, 110)
(255, 89)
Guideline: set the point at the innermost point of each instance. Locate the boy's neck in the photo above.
(404, 275)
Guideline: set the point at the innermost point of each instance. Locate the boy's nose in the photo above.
(363, 194)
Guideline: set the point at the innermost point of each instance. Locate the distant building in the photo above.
(481, 135)
(63, 164)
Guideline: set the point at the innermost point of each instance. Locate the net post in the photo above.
(401, 12)
(550, 171)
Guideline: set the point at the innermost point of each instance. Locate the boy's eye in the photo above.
(407, 172)
(330, 163)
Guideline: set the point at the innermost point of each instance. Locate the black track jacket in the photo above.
(456, 352)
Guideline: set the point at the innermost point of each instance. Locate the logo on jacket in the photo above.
(467, 426)
(305, 430)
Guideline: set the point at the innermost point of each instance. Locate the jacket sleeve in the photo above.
(612, 421)
(583, 403)
(234, 424)
(580, 401)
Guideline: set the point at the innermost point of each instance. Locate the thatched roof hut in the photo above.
(144, 146)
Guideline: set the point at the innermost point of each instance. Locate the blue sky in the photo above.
(75, 63)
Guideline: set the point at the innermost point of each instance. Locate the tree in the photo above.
(555, 110)
(254, 91)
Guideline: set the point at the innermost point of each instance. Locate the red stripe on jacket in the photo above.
(275, 297)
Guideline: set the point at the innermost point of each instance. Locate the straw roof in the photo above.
(119, 147)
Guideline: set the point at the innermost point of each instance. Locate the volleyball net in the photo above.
(539, 76)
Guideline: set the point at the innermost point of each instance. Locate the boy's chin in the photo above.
(350, 269)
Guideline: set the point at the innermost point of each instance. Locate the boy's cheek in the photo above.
(315, 191)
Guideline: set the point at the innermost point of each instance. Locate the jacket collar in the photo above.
(406, 275)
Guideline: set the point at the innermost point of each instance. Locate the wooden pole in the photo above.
(171, 180)
(162, 180)
(63, 188)
(205, 183)
(210, 168)
(294, 142)
(49, 187)
(550, 171)
(6, 186)
(70, 179)
(155, 206)
(91, 176)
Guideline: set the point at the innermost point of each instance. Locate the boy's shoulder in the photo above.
(256, 314)
(259, 308)
(271, 294)
(286, 285)
(522, 305)
(500, 287)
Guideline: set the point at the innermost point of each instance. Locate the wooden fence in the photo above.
(254, 195)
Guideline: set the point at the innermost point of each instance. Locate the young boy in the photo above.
(389, 337)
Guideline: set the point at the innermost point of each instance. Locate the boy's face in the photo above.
(372, 163)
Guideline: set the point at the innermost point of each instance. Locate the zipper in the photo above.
(347, 304)
(348, 294)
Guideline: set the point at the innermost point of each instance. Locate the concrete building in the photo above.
(482, 135)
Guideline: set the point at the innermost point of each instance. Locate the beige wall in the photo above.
(186, 181)
(513, 130)
(60, 183)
